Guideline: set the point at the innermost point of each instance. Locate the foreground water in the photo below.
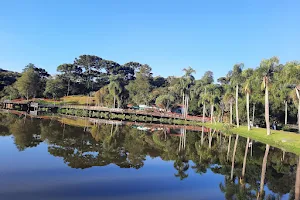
(49, 159)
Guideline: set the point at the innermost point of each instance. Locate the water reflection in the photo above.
(251, 170)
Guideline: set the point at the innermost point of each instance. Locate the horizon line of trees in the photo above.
(272, 89)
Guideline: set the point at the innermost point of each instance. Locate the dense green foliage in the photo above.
(268, 90)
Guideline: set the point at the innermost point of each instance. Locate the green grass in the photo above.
(74, 100)
(284, 140)
(78, 99)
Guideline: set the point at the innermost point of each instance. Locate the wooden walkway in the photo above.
(137, 112)
(26, 106)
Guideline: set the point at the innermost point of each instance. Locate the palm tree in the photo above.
(245, 158)
(267, 118)
(247, 90)
(203, 100)
(237, 106)
(233, 155)
(210, 138)
(186, 83)
(267, 69)
(236, 80)
(263, 173)
(229, 98)
(297, 98)
(228, 148)
(214, 92)
(286, 80)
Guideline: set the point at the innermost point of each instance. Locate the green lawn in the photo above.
(75, 100)
(287, 141)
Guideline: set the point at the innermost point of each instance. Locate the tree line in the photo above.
(270, 89)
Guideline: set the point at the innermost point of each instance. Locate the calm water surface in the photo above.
(77, 159)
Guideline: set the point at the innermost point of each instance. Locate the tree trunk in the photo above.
(222, 114)
(27, 95)
(298, 96)
(286, 114)
(253, 112)
(68, 87)
(203, 117)
(299, 116)
(187, 106)
(230, 112)
(233, 156)
(204, 107)
(267, 110)
(209, 139)
(184, 137)
(297, 183)
(114, 101)
(237, 106)
(248, 111)
(183, 103)
(111, 130)
(263, 172)
(212, 113)
(245, 158)
(180, 140)
(202, 135)
(228, 149)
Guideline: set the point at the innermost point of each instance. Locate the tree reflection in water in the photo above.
(89, 145)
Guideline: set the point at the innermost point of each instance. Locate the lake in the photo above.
(66, 158)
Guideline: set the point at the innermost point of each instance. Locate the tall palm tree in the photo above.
(237, 106)
(229, 145)
(214, 95)
(203, 100)
(233, 155)
(210, 137)
(245, 158)
(229, 98)
(286, 80)
(247, 90)
(267, 112)
(263, 173)
(236, 80)
(186, 83)
(267, 70)
(296, 97)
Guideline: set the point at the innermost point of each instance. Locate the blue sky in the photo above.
(167, 35)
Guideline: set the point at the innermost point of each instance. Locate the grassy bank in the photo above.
(287, 141)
